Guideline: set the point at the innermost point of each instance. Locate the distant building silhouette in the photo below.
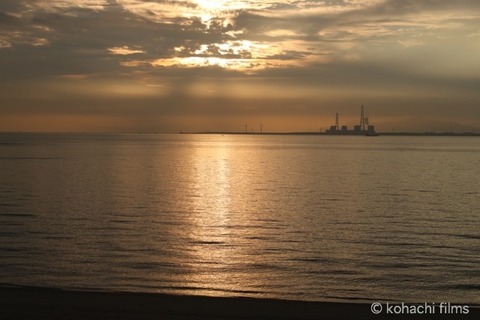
(364, 128)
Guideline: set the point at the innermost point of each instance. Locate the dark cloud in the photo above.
(11, 5)
(8, 19)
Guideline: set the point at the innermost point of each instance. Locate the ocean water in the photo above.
(318, 218)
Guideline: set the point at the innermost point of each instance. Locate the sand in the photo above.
(40, 303)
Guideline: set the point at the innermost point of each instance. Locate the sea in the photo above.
(297, 217)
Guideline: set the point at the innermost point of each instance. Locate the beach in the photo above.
(45, 303)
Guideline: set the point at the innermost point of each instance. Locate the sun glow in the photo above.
(211, 5)
(240, 55)
(231, 47)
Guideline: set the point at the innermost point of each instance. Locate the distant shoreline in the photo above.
(428, 134)
(293, 133)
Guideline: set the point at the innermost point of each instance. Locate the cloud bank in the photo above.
(166, 66)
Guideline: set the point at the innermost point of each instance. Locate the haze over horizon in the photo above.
(193, 65)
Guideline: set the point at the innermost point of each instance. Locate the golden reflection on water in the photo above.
(212, 181)
(220, 231)
(211, 212)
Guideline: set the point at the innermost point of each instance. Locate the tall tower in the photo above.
(337, 123)
(362, 118)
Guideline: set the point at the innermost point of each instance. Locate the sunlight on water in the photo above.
(296, 217)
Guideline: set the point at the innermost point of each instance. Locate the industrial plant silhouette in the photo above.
(364, 128)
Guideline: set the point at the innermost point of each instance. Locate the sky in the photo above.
(198, 65)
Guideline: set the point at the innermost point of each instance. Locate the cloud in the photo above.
(168, 57)
(124, 51)
(306, 30)
(66, 6)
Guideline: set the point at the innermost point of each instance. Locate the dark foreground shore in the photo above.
(39, 303)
